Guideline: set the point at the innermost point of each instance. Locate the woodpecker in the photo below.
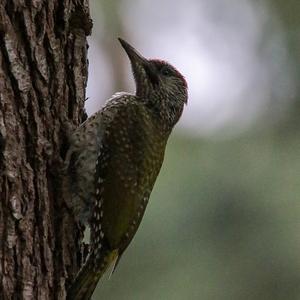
(114, 159)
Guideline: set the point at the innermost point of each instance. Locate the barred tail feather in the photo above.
(86, 280)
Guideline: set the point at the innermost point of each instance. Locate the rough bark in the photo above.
(43, 75)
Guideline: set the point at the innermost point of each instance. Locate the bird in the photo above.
(114, 159)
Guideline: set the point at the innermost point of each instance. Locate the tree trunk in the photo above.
(43, 75)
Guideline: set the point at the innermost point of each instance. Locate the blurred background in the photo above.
(223, 221)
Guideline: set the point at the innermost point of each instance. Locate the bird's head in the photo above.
(159, 84)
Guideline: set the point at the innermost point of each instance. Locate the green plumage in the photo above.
(114, 160)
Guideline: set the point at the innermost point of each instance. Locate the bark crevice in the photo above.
(43, 76)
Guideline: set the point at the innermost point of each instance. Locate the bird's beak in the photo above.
(139, 63)
(134, 56)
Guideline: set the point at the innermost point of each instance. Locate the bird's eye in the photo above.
(166, 71)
